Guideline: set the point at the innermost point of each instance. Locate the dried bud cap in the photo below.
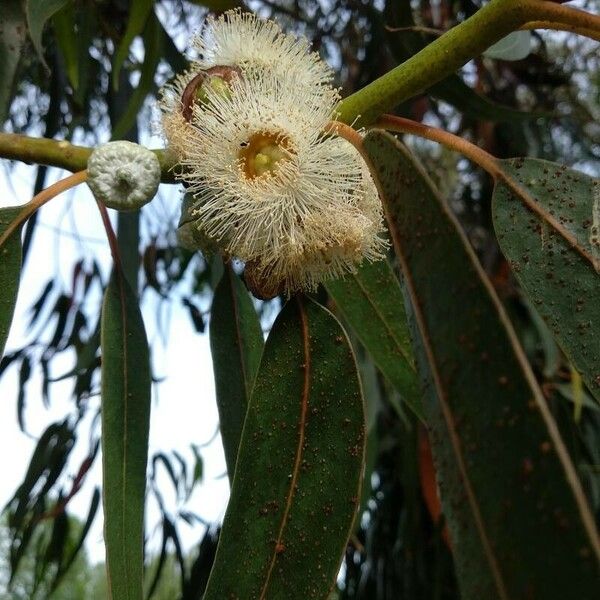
(123, 175)
(218, 78)
(259, 285)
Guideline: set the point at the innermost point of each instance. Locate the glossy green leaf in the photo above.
(372, 303)
(125, 424)
(38, 12)
(236, 344)
(298, 475)
(10, 271)
(152, 37)
(509, 489)
(138, 16)
(12, 37)
(561, 279)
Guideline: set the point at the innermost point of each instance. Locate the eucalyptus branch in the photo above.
(455, 48)
(38, 201)
(556, 16)
(62, 154)
(569, 27)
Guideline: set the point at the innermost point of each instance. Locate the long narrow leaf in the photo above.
(10, 271)
(371, 300)
(236, 344)
(509, 490)
(298, 476)
(12, 40)
(125, 424)
(38, 12)
(138, 16)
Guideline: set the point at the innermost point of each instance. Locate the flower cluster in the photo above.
(273, 185)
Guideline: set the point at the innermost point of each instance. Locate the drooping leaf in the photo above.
(68, 562)
(152, 46)
(161, 457)
(298, 476)
(10, 271)
(236, 344)
(508, 486)
(371, 301)
(125, 393)
(138, 16)
(561, 279)
(38, 12)
(152, 37)
(12, 37)
(64, 24)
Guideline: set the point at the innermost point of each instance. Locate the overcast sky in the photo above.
(184, 409)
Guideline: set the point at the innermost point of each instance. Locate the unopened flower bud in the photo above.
(123, 175)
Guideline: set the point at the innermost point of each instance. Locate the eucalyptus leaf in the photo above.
(236, 344)
(152, 36)
(560, 276)
(298, 476)
(64, 26)
(38, 12)
(508, 486)
(10, 271)
(514, 46)
(138, 16)
(371, 301)
(125, 397)
(12, 38)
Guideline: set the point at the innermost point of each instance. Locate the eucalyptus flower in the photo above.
(244, 41)
(275, 187)
(246, 45)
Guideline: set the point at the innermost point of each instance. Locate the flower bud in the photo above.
(123, 175)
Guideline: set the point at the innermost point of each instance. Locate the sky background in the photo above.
(184, 410)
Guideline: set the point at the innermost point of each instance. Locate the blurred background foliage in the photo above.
(89, 71)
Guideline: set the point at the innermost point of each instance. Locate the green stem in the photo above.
(61, 154)
(455, 48)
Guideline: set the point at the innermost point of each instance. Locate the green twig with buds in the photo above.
(440, 58)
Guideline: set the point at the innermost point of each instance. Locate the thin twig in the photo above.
(487, 162)
(591, 33)
(110, 234)
(40, 199)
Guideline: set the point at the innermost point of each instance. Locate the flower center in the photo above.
(263, 152)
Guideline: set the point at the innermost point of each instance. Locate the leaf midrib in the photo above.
(408, 359)
(299, 448)
(124, 345)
